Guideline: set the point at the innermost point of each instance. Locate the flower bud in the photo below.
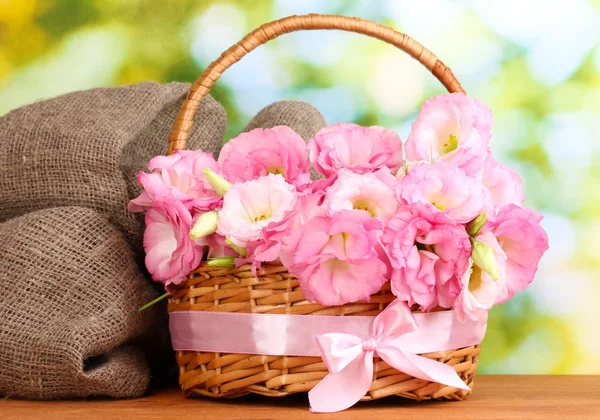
(484, 258)
(475, 225)
(222, 262)
(205, 225)
(242, 251)
(219, 184)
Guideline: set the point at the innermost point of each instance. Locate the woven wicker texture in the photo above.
(275, 290)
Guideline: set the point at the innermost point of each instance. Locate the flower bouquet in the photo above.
(414, 247)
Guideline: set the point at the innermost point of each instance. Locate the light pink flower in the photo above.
(267, 246)
(503, 182)
(371, 192)
(180, 177)
(523, 241)
(358, 149)
(248, 207)
(479, 290)
(429, 253)
(263, 151)
(453, 128)
(446, 188)
(170, 253)
(336, 258)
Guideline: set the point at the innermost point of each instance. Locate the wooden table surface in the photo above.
(494, 398)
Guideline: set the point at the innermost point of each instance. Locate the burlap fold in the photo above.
(69, 325)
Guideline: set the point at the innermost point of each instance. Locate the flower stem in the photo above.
(155, 301)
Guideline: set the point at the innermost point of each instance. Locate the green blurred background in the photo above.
(535, 63)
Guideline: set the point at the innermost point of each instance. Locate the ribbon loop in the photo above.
(349, 360)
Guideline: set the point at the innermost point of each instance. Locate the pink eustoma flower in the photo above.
(503, 182)
(523, 241)
(249, 207)
(372, 192)
(263, 151)
(453, 128)
(178, 176)
(170, 253)
(336, 257)
(479, 290)
(447, 189)
(429, 253)
(267, 246)
(358, 149)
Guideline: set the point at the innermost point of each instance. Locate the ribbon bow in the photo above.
(349, 360)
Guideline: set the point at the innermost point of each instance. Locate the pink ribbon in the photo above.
(347, 344)
(349, 360)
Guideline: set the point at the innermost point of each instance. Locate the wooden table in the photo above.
(494, 398)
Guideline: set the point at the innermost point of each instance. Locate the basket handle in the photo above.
(271, 30)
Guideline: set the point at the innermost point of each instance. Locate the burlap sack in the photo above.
(70, 150)
(68, 320)
(302, 117)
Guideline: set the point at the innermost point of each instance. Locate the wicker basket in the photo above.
(274, 290)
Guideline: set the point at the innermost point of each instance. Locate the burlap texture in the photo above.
(68, 320)
(69, 325)
(71, 150)
(302, 117)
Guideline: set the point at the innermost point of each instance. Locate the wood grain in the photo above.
(494, 398)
